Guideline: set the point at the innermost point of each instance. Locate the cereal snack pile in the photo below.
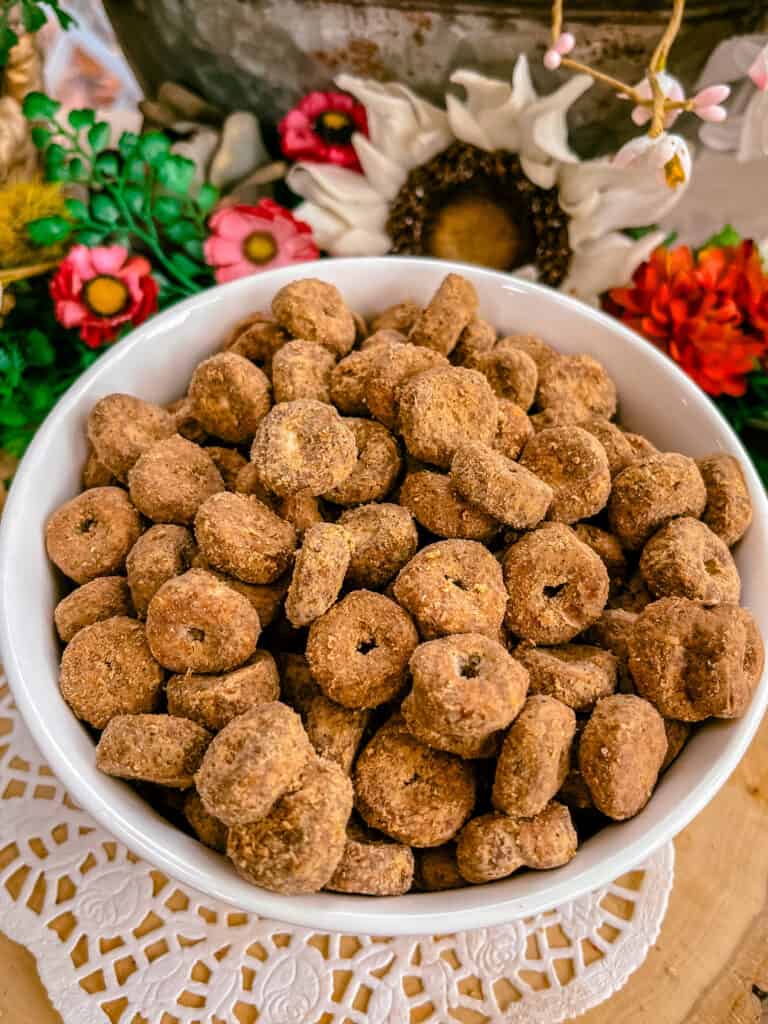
(395, 606)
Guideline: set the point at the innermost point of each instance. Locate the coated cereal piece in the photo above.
(382, 538)
(209, 830)
(229, 396)
(678, 734)
(161, 553)
(249, 482)
(258, 337)
(513, 429)
(466, 688)
(444, 408)
(608, 548)
(576, 674)
(618, 450)
(256, 758)
(436, 869)
(349, 377)
(691, 662)
(409, 791)
(102, 598)
(557, 585)
(647, 494)
(478, 336)
(400, 317)
(611, 632)
(640, 445)
(512, 373)
(229, 463)
(301, 510)
(453, 586)
(686, 559)
(302, 369)
(391, 366)
(372, 865)
(95, 473)
(107, 669)
(197, 623)
(384, 336)
(729, 507)
(574, 792)
(620, 754)
(575, 466)
(214, 700)
(439, 508)
(579, 379)
(264, 598)
(449, 311)
(171, 480)
(161, 749)
(499, 487)
(564, 414)
(298, 846)
(297, 687)
(315, 311)
(548, 840)
(318, 573)
(240, 536)
(539, 351)
(535, 757)
(121, 427)
(358, 651)
(631, 595)
(335, 731)
(90, 535)
(186, 425)
(378, 465)
(361, 327)
(303, 446)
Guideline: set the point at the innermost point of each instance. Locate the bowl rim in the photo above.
(402, 915)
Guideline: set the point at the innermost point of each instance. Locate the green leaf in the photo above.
(184, 265)
(65, 20)
(638, 233)
(40, 352)
(104, 208)
(154, 147)
(49, 230)
(39, 107)
(55, 154)
(107, 164)
(134, 198)
(76, 170)
(90, 237)
(56, 171)
(41, 136)
(98, 136)
(207, 197)
(194, 248)
(77, 208)
(728, 236)
(127, 144)
(182, 231)
(135, 169)
(176, 173)
(8, 40)
(167, 209)
(81, 118)
(33, 17)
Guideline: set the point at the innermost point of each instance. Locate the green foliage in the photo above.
(33, 17)
(727, 236)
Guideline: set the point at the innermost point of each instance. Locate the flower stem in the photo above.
(600, 76)
(660, 54)
(557, 20)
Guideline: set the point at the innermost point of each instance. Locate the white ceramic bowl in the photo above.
(155, 362)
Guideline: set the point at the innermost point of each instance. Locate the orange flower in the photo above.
(708, 311)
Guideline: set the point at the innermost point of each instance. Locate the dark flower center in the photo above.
(106, 295)
(335, 127)
(260, 247)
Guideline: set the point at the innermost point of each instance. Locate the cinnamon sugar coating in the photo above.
(728, 512)
(499, 487)
(376, 469)
(649, 493)
(439, 508)
(90, 535)
(577, 674)
(580, 380)
(335, 731)
(574, 464)
(391, 366)
(302, 369)
(153, 748)
(449, 311)
(382, 538)
(121, 427)
(318, 573)
(513, 429)
(102, 598)
(229, 396)
(240, 536)
(510, 371)
(315, 311)
(372, 865)
(171, 480)
(686, 559)
(214, 700)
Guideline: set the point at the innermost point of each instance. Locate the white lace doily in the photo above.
(115, 938)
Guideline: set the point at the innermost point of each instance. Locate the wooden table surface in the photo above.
(710, 964)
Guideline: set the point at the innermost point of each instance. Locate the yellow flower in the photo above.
(20, 204)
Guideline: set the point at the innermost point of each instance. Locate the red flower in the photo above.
(709, 312)
(321, 127)
(247, 239)
(100, 290)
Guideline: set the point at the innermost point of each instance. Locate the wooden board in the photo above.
(709, 965)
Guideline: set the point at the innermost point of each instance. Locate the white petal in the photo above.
(490, 116)
(342, 192)
(724, 137)
(358, 242)
(384, 175)
(543, 124)
(465, 125)
(607, 263)
(542, 174)
(753, 142)
(730, 60)
(326, 226)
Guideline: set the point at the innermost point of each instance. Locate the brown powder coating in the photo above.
(640, 445)
(686, 559)
(549, 839)
(91, 534)
(448, 312)
(557, 585)
(229, 396)
(171, 480)
(264, 598)
(358, 651)
(102, 598)
(258, 337)
(513, 429)
(580, 380)
(301, 510)
(107, 669)
(213, 701)
(377, 468)
(574, 792)
(511, 373)
(400, 317)
(315, 311)
(318, 573)
(197, 623)
(154, 748)
(649, 493)
(361, 328)
(209, 830)
(678, 734)
(161, 553)
(535, 757)
(618, 450)
(499, 487)
(335, 732)
(372, 865)
(437, 870)
(444, 408)
(303, 446)
(575, 466)
(453, 586)
(611, 632)
(255, 759)
(620, 754)
(121, 427)
(434, 503)
(249, 482)
(348, 382)
(577, 674)
(95, 473)
(391, 366)
(411, 792)
(298, 846)
(729, 507)
(186, 424)
(563, 415)
(240, 536)
(302, 369)
(382, 538)
(607, 547)
(478, 336)
(539, 351)
(692, 662)
(631, 595)
(466, 688)
(229, 462)
(297, 687)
